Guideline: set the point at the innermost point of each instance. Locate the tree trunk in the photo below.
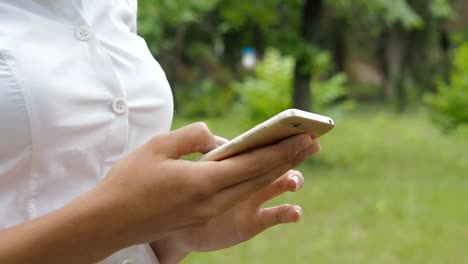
(302, 98)
(178, 53)
(395, 52)
(302, 95)
(429, 47)
(338, 43)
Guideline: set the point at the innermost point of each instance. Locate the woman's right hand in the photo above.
(152, 192)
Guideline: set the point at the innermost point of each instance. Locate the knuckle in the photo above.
(262, 182)
(200, 190)
(281, 184)
(200, 193)
(280, 214)
(258, 185)
(155, 141)
(257, 168)
(203, 135)
(205, 213)
(298, 159)
(288, 152)
(201, 128)
(288, 163)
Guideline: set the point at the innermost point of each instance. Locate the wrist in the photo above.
(97, 220)
(76, 233)
(109, 218)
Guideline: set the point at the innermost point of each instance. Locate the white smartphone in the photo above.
(285, 124)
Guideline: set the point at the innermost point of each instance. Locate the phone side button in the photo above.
(254, 132)
(232, 144)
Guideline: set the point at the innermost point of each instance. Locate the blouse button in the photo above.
(128, 261)
(119, 106)
(83, 33)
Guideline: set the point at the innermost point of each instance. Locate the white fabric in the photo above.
(78, 90)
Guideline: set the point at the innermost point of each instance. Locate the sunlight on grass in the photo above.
(385, 189)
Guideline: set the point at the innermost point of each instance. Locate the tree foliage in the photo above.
(405, 40)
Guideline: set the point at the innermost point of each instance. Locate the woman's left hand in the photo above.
(236, 225)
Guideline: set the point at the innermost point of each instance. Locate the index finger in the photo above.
(258, 162)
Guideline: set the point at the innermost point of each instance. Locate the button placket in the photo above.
(118, 127)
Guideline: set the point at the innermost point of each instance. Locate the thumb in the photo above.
(186, 140)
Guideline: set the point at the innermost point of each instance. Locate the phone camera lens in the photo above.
(296, 124)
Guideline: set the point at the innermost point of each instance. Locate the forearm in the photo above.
(81, 232)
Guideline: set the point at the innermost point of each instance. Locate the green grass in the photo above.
(384, 189)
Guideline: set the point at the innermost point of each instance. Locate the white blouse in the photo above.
(78, 90)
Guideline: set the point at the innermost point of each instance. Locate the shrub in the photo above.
(450, 104)
(269, 91)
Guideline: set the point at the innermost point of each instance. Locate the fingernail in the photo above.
(296, 179)
(305, 142)
(298, 212)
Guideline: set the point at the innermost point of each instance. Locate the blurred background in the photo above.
(391, 183)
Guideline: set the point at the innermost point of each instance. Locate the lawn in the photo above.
(384, 189)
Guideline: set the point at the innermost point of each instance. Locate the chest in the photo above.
(67, 70)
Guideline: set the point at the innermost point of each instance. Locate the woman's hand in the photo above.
(236, 225)
(152, 192)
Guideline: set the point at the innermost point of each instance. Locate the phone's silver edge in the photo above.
(296, 112)
(282, 115)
